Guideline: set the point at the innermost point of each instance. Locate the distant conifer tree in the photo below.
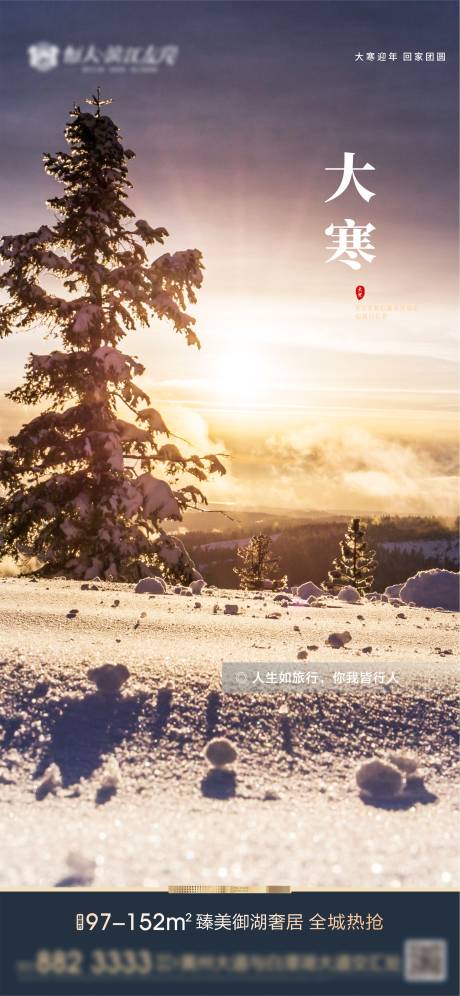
(78, 490)
(258, 564)
(355, 565)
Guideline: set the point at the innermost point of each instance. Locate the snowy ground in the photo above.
(293, 814)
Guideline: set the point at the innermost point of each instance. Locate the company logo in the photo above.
(43, 56)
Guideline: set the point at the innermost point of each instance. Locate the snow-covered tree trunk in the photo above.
(84, 490)
(258, 564)
(355, 564)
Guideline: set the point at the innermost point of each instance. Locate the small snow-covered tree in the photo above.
(355, 565)
(258, 564)
(80, 485)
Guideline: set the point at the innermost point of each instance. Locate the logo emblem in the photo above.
(360, 292)
(43, 56)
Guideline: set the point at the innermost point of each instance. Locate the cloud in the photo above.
(347, 466)
(338, 466)
(191, 426)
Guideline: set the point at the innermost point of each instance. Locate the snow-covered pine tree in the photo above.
(258, 564)
(355, 565)
(79, 484)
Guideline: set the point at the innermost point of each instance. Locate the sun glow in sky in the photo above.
(243, 376)
(316, 406)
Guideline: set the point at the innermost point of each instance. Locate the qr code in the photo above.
(425, 960)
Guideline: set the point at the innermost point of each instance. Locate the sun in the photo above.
(244, 376)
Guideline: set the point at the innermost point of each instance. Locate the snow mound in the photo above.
(338, 640)
(220, 752)
(393, 590)
(407, 763)
(379, 779)
(196, 587)
(349, 594)
(308, 589)
(433, 589)
(82, 868)
(50, 783)
(111, 776)
(109, 677)
(154, 586)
